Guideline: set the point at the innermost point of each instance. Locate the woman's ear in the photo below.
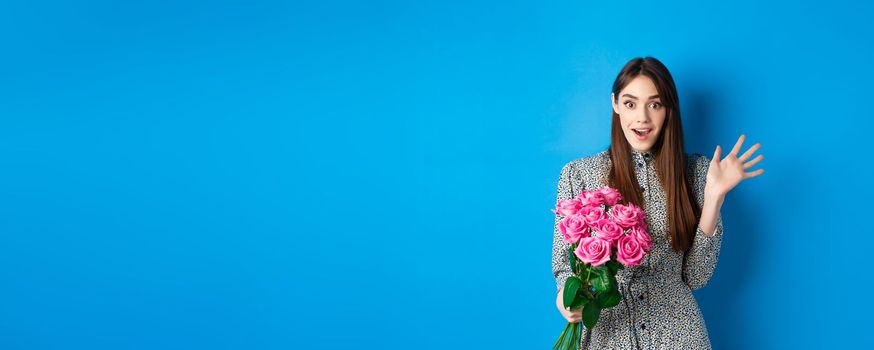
(614, 104)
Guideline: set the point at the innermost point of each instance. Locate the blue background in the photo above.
(242, 175)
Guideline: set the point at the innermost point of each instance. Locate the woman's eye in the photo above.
(656, 105)
(629, 104)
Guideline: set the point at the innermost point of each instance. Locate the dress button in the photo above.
(643, 326)
(642, 295)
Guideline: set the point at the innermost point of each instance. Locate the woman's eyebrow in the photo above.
(634, 97)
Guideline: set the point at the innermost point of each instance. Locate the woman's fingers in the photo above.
(755, 160)
(750, 152)
(737, 146)
(753, 174)
(574, 315)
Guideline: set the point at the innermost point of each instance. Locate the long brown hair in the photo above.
(670, 158)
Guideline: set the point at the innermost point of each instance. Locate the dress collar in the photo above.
(638, 155)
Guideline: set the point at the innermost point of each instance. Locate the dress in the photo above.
(658, 310)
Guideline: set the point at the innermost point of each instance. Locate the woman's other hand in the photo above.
(572, 316)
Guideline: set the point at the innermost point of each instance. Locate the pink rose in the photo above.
(573, 228)
(608, 230)
(629, 251)
(611, 195)
(567, 207)
(627, 215)
(640, 212)
(593, 250)
(591, 198)
(639, 233)
(593, 215)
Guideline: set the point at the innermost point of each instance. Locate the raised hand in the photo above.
(724, 174)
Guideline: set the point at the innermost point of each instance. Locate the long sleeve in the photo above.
(700, 260)
(560, 265)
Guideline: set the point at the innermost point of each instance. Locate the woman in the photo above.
(682, 195)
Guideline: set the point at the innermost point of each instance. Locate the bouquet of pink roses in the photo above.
(604, 236)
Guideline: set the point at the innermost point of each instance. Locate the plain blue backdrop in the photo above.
(378, 175)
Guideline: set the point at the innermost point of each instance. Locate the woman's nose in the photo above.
(643, 117)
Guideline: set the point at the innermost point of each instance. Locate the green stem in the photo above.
(561, 339)
(577, 330)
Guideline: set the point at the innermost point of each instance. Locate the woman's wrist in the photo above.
(710, 212)
(713, 194)
(713, 201)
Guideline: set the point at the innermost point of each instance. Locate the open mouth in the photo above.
(642, 132)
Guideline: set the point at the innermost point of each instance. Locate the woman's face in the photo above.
(641, 112)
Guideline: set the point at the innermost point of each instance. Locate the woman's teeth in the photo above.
(642, 132)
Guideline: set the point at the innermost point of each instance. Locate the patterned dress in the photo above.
(658, 310)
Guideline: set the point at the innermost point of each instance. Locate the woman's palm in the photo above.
(724, 174)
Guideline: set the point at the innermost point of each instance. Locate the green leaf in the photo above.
(609, 299)
(590, 314)
(571, 286)
(602, 280)
(614, 266)
(580, 300)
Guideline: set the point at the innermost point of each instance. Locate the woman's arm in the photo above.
(714, 178)
(700, 260)
(561, 268)
(710, 214)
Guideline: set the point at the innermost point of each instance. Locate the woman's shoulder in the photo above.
(698, 165)
(583, 167)
(697, 161)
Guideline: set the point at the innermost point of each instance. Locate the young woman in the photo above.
(682, 195)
